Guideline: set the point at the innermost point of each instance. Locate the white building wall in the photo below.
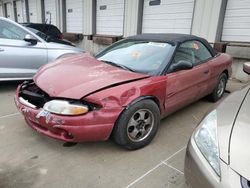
(10, 10)
(50, 11)
(169, 16)
(206, 19)
(25, 19)
(131, 19)
(38, 10)
(74, 16)
(33, 13)
(89, 19)
(20, 11)
(35, 10)
(1, 10)
(205, 22)
(109, 17)
(236, 25)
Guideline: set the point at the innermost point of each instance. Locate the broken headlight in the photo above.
(65, 107)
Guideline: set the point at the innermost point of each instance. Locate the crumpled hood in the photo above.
(240, 141)
(77, 76)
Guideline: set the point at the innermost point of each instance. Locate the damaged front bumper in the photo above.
(95, 125)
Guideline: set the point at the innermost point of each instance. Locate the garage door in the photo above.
(24, 11)
(50, 11)
(74, 16)
(1, 10)
(9, 11)
(109, 17)
(32, 10)
(19, 12)
(167, 16)
(236, 25)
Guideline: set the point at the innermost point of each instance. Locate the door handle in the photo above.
(1, 50)
(206, 72)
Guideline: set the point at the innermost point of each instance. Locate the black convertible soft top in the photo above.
(172, 38)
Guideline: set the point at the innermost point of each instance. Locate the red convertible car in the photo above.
(123, 91)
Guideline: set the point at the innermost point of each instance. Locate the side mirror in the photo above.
(181, 65)
(246, 67)
(29, 38)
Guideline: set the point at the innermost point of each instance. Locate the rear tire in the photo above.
(137, 125)
(219, 89)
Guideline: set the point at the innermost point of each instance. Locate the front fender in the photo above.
(127, 94)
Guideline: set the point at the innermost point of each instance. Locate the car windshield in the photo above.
(138, 56)
(38, 33)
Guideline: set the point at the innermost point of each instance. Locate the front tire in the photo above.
(219, 89)
(137, 125)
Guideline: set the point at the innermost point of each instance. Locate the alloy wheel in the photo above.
(221, 87)
(140, 125)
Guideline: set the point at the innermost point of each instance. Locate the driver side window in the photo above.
(184, 54)
(193, 51)
(11, 31)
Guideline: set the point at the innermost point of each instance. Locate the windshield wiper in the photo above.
(119, 65)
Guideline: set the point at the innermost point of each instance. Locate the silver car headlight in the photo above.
(65, 108)
(207, 140)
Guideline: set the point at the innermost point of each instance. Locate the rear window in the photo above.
(49, 30)
(52, 31)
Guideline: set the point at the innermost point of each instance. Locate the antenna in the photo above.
(48, 12)
(49, 17)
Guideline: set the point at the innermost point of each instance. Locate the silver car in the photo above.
(22, 52)
(218, 153)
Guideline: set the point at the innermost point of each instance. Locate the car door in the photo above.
(19, 59)
(187, 86)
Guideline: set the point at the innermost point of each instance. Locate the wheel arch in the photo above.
(226, 72)
(141, 98)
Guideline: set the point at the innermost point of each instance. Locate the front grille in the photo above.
(33, 94)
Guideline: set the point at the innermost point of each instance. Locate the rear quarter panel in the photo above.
(218, 65)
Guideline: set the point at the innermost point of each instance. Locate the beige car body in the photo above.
(233, 131)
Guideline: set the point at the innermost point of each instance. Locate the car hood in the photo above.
(226, 113)
(240, 140)
(80, 75)
(54, 45)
